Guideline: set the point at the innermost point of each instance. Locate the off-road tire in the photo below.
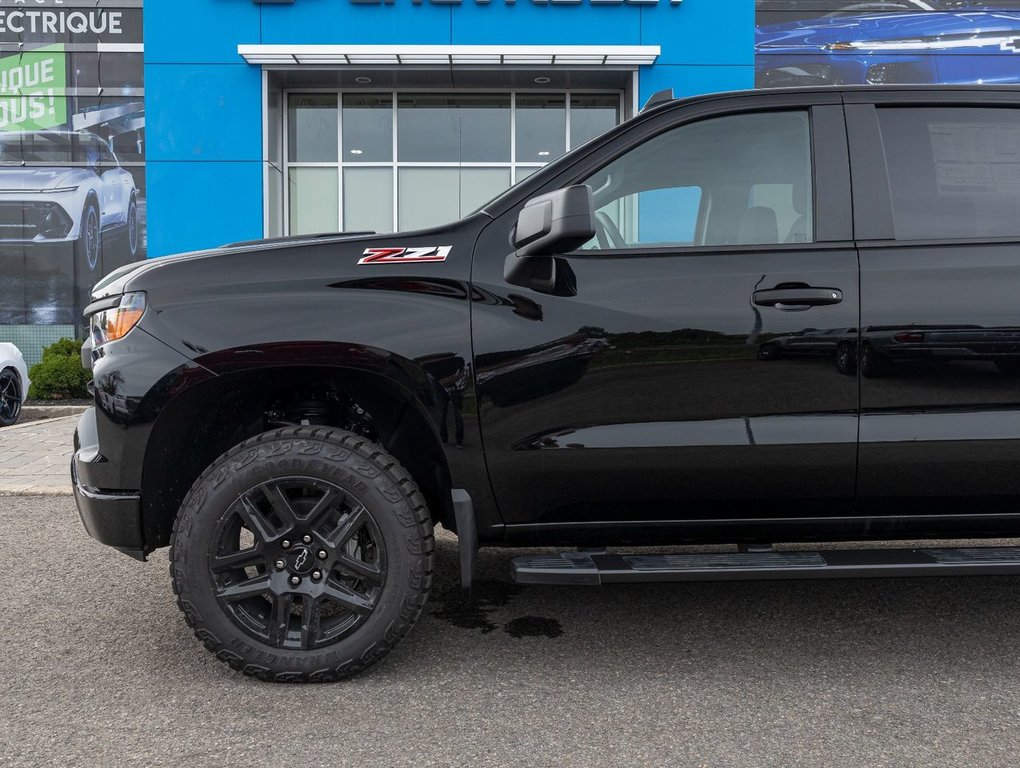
(385, 489)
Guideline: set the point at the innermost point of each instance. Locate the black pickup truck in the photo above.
(578, 365)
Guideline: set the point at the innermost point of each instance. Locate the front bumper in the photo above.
(39, 220)
(113, 518)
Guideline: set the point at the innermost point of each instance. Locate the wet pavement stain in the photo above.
(533, 626)
(472, 611)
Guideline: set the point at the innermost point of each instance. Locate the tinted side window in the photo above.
(953, 172)
(734, 180)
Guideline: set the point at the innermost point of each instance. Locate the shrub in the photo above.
(59, 375)
(63, 348)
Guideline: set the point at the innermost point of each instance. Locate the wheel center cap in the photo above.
(300, 560)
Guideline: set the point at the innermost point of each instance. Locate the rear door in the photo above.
(641, 390)
(937, 207)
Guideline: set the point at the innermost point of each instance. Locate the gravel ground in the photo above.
(100, 670)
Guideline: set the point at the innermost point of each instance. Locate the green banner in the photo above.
(32, 89)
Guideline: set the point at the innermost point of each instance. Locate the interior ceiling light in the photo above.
(355, 151)
(543, 153)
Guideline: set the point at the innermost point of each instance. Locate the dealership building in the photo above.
(279, 118)
(216, 121)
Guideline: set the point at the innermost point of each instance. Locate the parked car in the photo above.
(884, 346)
(63, 186)
(288, 439)
(850, 7)
(890, 48)
(14, 383)
(835, 342)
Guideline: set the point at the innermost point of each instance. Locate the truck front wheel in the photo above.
(302, 555)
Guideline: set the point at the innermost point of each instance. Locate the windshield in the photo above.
(48, 148)
(545, 170)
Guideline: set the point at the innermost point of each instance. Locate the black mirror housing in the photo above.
(555, 222)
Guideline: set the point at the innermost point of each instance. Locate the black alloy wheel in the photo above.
(10, 397)
(303, 554)
(89, 246)
(131, 233)
(298, 563)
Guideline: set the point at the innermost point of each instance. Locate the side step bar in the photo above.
(592, 569)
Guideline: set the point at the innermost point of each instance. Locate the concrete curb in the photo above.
(30, 413)
(29, 489)
(31, 424)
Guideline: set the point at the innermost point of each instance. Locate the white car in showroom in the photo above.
(13, 383)
(65, 186)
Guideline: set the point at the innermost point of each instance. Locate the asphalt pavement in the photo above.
(99, 669)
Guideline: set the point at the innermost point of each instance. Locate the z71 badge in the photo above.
(405, 255)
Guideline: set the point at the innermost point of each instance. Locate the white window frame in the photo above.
(394, 165)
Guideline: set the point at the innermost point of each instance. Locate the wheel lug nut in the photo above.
(306, 539)
(316, 575)
(295, 580)
(285, 543)
(280, 564)
(322, 554)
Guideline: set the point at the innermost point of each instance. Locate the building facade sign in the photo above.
(72, 159)
(514, 2)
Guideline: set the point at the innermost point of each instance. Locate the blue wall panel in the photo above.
(701, 32)
(309, 22)
(204, 112)
(194, 205)
(694, 80)
(200, 31)
(530, 24)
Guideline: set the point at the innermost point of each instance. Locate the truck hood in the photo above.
(118, 281)
(816, 34)
(15, 178)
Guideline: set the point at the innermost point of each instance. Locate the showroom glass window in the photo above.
(406, 160)
(953, 173)
(733, 180)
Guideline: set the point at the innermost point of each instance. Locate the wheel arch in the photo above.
(212, 416)
(23, 382)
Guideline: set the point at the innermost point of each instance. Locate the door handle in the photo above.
(797, 298)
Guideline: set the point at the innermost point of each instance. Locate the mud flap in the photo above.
(467, 535)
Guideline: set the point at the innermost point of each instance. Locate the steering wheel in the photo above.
(607, 233)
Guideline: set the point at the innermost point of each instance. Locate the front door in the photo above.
(665, 379)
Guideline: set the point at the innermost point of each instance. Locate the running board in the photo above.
(592, 569)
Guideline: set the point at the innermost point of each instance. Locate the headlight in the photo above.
(61, 189)
(1003, 40)
(114, 323)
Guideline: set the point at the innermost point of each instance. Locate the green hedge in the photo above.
(59, 375)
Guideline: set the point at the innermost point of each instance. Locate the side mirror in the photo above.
(556, 222)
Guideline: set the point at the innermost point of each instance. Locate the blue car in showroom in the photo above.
(890, 47)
